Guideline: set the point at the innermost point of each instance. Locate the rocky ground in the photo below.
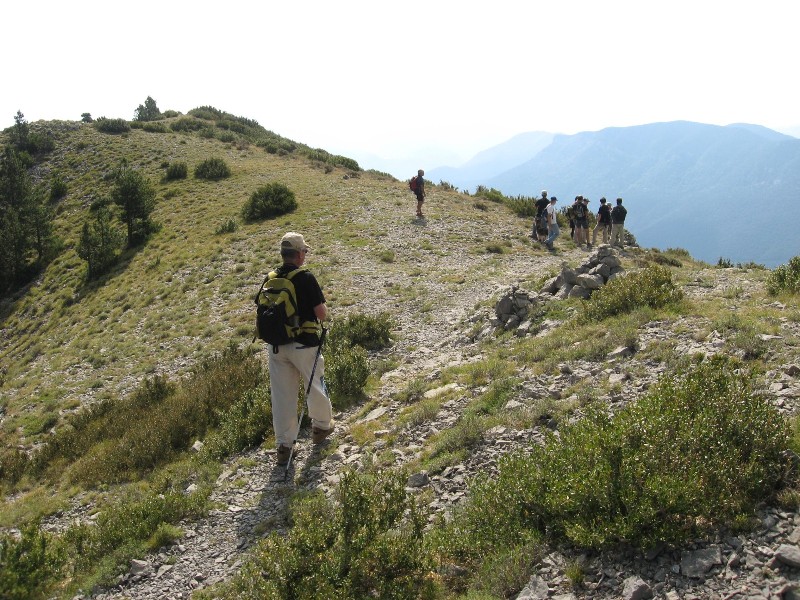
(251, 494)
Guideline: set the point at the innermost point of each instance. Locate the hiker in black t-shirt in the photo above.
(540, 221)
(581, 215)
(291, 363)
(618, 214)
(603, 222)
(420, 192)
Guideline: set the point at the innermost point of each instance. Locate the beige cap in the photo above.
(294, 241)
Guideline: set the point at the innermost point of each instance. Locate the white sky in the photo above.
(397, 78)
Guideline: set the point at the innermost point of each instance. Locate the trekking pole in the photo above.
(305, 401)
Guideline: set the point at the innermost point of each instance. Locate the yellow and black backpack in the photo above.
(277, 318)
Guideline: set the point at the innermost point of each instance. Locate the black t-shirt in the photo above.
(541, 206)
(605, 213)
(618, 214)
(309, 294)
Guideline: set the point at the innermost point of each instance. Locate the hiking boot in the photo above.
(284, 452)
(318, 435)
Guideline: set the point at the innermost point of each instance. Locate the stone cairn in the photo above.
(517, 310)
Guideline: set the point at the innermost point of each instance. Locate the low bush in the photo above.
(346, 372)
(26, 564)
(268, 201)
(187, 124)
(245, 424)
(212, 169)
(368, 544)
(119, 440)
(58, 188)
(651, 286)
(125, 528)
(106, 125)
(698, 452)
(373, 332)
(176, 170)
(228, 226)
(785, 278)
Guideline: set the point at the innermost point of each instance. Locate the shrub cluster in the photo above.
(122, 529)
(651, 286)
(118, 440)
(373, 332)
(228, 226)
(369, 544)
(268, 201)
(245, 424)
(112, 125)
(58, 188)
(26, 564)
(187, 124)
(786, 278)
(347, 364)
(212, 169)
(176, 170)
(699, 451)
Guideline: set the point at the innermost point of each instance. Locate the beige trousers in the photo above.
(290, 368)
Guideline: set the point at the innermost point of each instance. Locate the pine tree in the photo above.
(147, 112)
(137, 199)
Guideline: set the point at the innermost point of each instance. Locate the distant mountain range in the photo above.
(720, 192)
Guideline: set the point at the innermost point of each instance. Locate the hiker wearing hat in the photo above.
(298, 362)
(603, 222)
(618, 214)
(552, 224)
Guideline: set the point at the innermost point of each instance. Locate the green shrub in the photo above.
(187, 124)
(112, 125)
(164, 535)
(27, 564)
(785, 278)
(228, 226)
(698, 452)
(119, 440)
(724, 263)
(346, 372)
(268, 201)
(277, 145)
(58, 188)
(13, 463)
(212, 169)
(245, 424)
(651, 286)
(373, 332)
(176, 170)
(122, 529)
(369, 544)
(152, 127)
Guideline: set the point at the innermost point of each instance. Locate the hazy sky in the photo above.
(408, 78)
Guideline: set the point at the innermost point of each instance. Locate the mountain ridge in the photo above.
(676, 178)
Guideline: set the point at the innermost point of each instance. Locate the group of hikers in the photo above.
(300, 358)
(609, 222)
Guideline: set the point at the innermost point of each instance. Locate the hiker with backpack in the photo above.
(580, 212)
(291, 310)
(618, 214)
(417, 185)
(603, 222)
(539, 232)
(552, 224)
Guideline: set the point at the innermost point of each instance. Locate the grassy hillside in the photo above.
(185, 294)
(180, 306)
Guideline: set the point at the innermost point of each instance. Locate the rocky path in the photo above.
(251, 494)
